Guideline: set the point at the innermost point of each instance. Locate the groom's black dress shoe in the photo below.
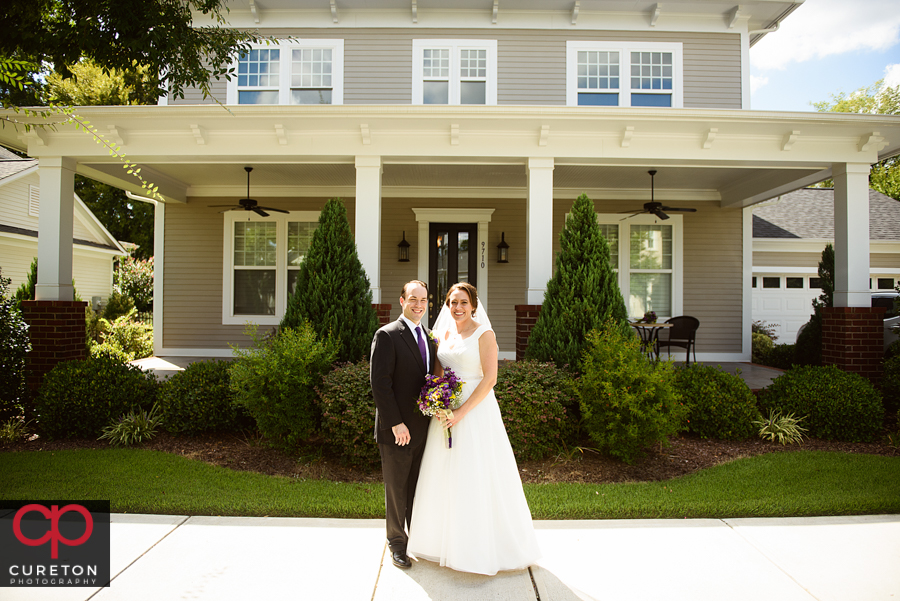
(401, 560)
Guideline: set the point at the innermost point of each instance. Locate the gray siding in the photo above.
(531, 64)
(192, 296)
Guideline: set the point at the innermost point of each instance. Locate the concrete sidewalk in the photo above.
(177, 557)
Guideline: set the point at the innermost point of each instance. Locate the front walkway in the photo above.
(224, 559)
(756, 376)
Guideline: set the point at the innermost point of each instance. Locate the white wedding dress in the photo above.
(470, 512)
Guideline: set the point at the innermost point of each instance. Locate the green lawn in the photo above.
(138, 481)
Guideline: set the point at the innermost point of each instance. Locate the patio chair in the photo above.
(682, 334)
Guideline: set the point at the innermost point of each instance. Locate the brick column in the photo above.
(57, 331)
(526, 317)
(384, 312)
(853, 340)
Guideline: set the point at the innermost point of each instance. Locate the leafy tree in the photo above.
(91, 84)
(877, 99)
(581, 296)
(157, 34)
(332, 291)
(134, 278)
(126, 219)
(26, 289)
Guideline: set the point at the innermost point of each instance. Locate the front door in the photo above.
(450, 261)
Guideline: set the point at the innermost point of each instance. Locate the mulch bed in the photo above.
(685, 454)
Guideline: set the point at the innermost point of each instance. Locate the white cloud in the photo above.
(758, 82)
(892, 75)
(821, 28)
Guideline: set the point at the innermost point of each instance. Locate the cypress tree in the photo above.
(581, 295)
(332, 290)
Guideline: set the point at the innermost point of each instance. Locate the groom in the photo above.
(402, 353)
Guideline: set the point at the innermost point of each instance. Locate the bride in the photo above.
(470, 512)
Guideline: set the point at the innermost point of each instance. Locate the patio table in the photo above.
(649, 333)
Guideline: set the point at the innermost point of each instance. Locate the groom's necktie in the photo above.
(421, 337)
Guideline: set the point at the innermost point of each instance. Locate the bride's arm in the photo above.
(487, 347)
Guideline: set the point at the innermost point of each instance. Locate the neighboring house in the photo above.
(94, 248)
(456, 124)
(789, 234)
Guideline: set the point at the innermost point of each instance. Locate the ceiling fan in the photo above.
(248, 204)
(653, 207)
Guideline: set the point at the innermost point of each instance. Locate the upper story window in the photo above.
(291, 72)
(624, 74)
(454, 72)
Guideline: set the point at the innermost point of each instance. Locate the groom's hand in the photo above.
(401, 434)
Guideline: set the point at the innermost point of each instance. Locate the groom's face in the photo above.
(415, 303)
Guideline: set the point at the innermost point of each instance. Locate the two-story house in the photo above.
(459, 125)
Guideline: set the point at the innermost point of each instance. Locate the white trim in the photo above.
(281, 220)
(783, 245)
(190, 352)
(419, 45)
(624, 49)
(506, 356)
(425, 217)
(284, 76)
(624, 269)
(159, 263)
(746, 283)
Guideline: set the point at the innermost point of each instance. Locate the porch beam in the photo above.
(851, 235)
(55, 229)
(368, 220)
(539, 229)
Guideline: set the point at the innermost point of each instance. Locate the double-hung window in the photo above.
(262, 257)
(454, 72)
(647, 255)
(291, 72)
(624, 74)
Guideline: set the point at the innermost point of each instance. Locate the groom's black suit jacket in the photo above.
(397, 374)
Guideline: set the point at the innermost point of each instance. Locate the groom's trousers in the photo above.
(400, 468)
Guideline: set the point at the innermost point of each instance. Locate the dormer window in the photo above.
(624, 74)
(454, 72)
(293, 72)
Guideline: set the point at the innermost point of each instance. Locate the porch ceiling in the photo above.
(735, 158)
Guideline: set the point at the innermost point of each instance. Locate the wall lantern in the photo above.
(503, 249)
(404, 249)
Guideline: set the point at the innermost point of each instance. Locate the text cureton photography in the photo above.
(54, 543)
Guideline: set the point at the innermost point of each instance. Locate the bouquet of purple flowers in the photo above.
(440, 396)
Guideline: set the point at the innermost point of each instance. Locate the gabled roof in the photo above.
(11, 164)
(809, 213)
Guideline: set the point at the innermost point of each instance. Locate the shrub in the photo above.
(766, 329)
(117, 305)
(762, 346)
(537, 402)
(332, 291)
(200, 399)
(893, 350)
(808, 350)
(890, 384)
(14, 429)
(839, 405)
(720, 405)
(79, 398)
(26, 289)
(785, 429)
(133, 277)
(133, 428)
(276, 380)
(627, 402)
(348, 414)
(780, 356)
(582, 294)
(15, 344)
(126, 337)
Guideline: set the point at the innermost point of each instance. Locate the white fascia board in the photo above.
(16, 176)
(90, 221)
(30, 242)
(815, 245)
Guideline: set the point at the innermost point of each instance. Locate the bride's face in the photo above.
(460, 306)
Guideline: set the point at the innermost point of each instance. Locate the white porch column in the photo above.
(539, 229)
(368, 220)
(55, 222)
(851, 235)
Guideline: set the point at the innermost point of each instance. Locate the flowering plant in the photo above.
(440, 396)
(649, 317)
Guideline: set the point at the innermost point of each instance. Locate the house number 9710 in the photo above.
(482, 253)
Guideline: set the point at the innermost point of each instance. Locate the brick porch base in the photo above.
(853, 340)
(57, 331)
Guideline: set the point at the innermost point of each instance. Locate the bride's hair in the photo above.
(469, 289)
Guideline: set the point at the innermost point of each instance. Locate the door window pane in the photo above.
(651, 247)
(443, 270)
(463, 257)
(254, 292)
(650, 292)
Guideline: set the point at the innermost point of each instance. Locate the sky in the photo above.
(823, 48)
